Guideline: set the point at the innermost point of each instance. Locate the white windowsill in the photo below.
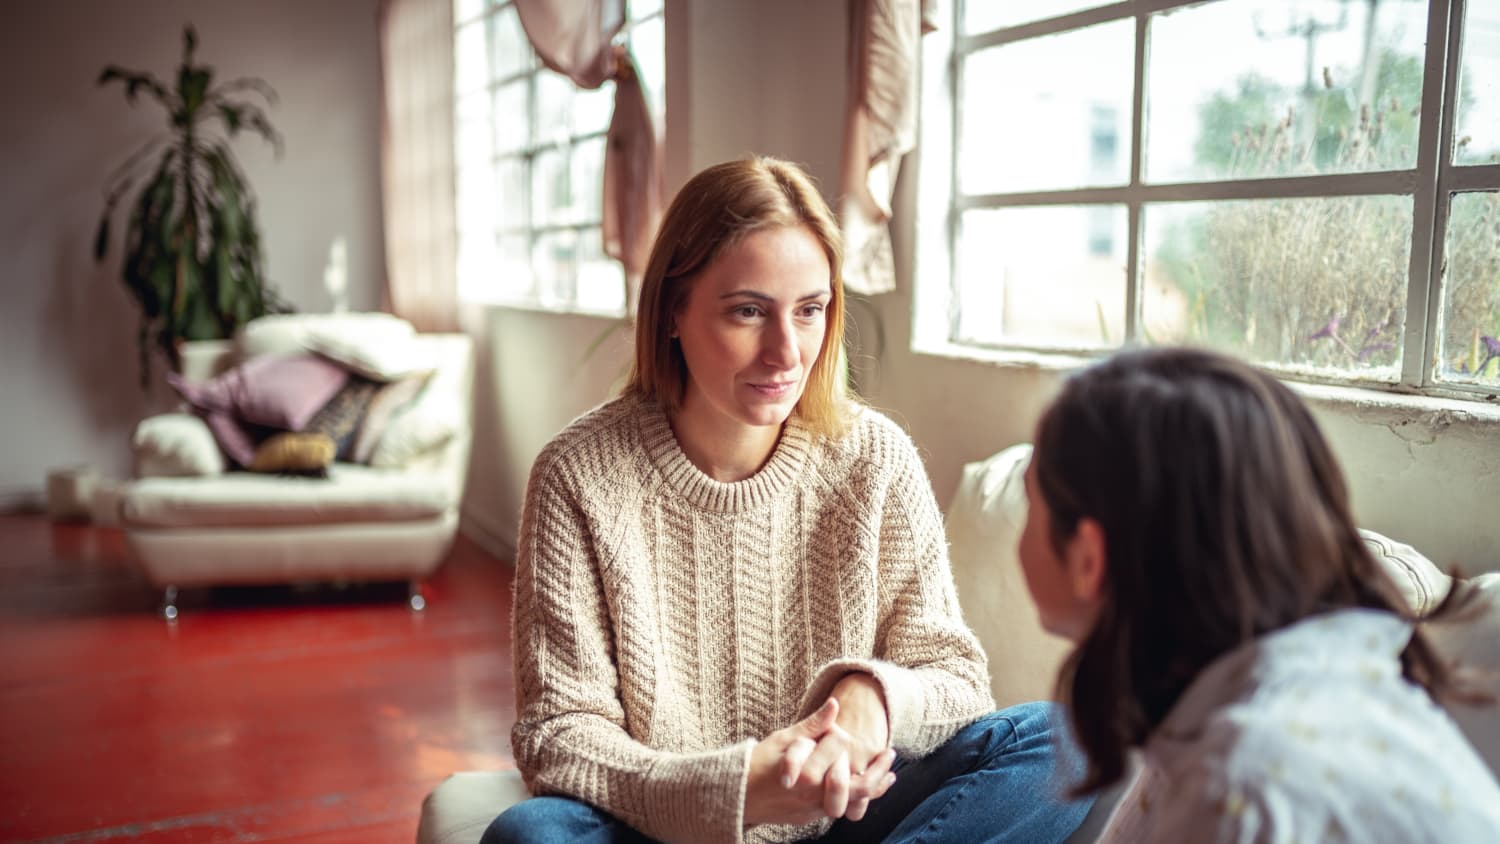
(1357, 400)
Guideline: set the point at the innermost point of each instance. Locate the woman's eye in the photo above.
(747, 312)
(813, 311)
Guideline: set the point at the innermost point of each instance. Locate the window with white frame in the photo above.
(1313, 185)
(529, 149)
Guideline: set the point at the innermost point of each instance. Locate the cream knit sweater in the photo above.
(665, 622)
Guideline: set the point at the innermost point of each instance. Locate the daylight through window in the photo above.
(1313, 185)
(530, 162)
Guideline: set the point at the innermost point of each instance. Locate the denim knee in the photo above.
(1024, 721)
(541, 819)
(1036, 727)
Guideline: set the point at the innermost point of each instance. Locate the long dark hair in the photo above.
(1225, 516)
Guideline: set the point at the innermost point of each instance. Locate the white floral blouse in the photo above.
(1310, 734)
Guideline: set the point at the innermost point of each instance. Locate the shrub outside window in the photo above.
(1311, 185)
(529, 150)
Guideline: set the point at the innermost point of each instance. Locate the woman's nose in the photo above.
(779, 344)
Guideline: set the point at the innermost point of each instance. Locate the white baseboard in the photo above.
(495, 536)
(22, 500)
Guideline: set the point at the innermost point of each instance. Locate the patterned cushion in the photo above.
(340, 418)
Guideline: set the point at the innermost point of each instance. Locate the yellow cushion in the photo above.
(293, 452)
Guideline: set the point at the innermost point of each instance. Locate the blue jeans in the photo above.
(1000, 779)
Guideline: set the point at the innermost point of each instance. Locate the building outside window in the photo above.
(1313, 185)
(530, 163)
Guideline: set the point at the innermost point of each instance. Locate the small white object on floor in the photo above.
(70, 491)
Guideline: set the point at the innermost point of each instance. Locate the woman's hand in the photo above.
(782, 788)
(859, 736)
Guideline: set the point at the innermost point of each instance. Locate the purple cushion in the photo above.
(281, 391)
(235, 440)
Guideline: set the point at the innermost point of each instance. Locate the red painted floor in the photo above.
(278, 714)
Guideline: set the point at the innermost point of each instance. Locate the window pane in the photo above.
(592, 109)
(601, 280)
(510, 116)
(463, 10)
(476, 202)
(1051, 277)
(550, 190)
(1252, 88)
(644, 8)
(473, 142)
(471, 70)
(1478, 106)
(984, 15)
(510, 52)
(1068, 126)
(567, 184)
(493, 268)
(512, 193)
(586, 182)
(475, 262)
(1313, 284)
(648, 44)
(512, 271)
(1471, 310)
(554, 260)
(554, 108)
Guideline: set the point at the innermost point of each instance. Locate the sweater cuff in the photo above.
(699, 797)
(904, 695)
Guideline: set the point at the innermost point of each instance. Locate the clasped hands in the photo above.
(830, 764)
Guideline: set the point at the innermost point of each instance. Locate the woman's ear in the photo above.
(1086, 561)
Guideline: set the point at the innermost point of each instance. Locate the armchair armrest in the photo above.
(176, 445)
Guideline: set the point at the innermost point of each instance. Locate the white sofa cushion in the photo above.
(240, 499)
(372, 354)
(176, 445)
(288, 334)
(984, 525)
(437, 415)
(459, 810)
(1421, 583)
(1472, 640)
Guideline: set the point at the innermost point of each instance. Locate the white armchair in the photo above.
(190, 523)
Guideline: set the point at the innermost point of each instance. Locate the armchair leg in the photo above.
(169, 603)
(414, 597)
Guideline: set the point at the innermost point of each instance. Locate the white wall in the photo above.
(68, 370)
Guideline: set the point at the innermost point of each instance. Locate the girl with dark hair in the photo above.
(734, 615)
(1190, 531)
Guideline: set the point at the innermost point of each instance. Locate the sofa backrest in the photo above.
(984, 525)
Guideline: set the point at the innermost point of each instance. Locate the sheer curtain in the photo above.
(879, 130)
(575, 38)
(417, 168)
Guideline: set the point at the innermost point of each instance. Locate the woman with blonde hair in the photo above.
(1190, 530)
(734, 617)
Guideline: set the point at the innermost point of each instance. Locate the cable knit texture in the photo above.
(665, 622)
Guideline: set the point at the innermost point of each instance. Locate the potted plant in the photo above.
(192, 247)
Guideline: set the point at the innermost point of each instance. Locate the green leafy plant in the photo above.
(192, 247)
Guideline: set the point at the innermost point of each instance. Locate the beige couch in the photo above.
(191, 523)
(984, 524)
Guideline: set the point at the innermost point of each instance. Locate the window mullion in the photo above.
(1429, 204)
(1133, 274)
(954, 220)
